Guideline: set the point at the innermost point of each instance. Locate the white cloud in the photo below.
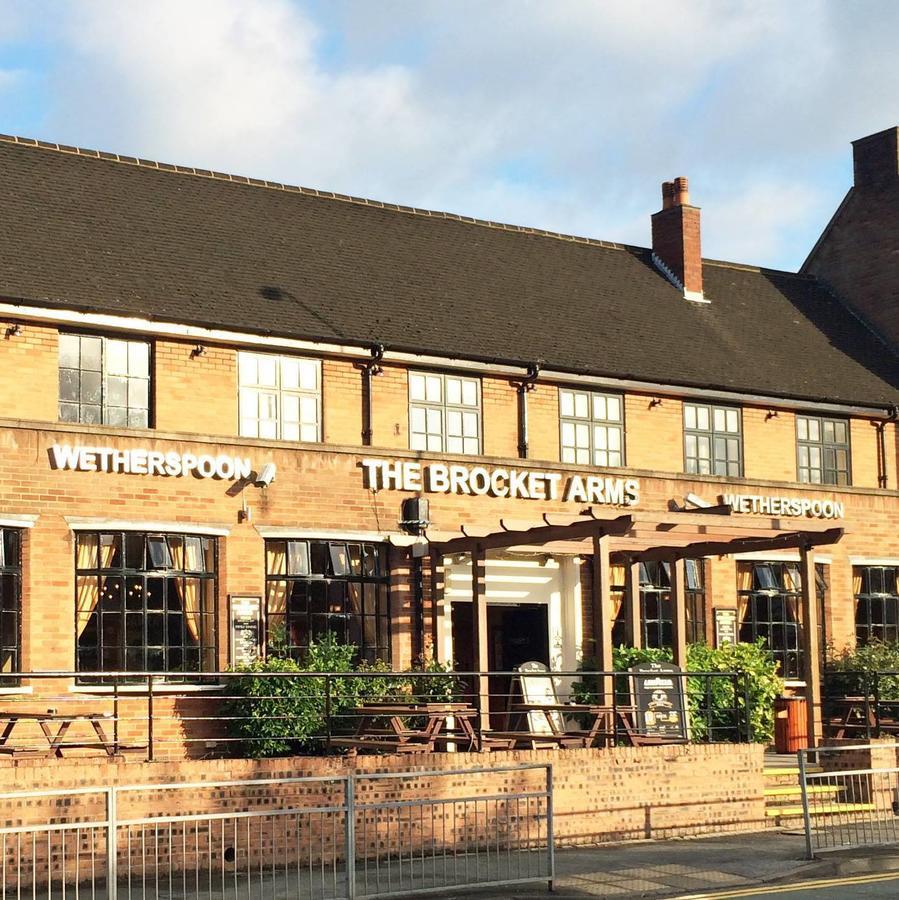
(564, 114)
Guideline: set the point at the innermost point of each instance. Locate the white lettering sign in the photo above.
(149, 462)
(795, 507)
(517, 484)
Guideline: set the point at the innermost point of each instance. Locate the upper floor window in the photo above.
(823, 450)
(876, 590)
(592, 431)
(104, 381)
(10, 602)
(444, 413)
(280, 397)
(713, 443)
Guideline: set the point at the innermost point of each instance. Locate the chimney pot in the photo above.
(676, 238)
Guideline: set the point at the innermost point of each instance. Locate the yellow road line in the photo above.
(796, 886)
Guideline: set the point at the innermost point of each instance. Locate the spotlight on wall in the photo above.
(656, 401)
(266, 476)
(198, 351)
(13, 330)
(415, 515)
(771, 414)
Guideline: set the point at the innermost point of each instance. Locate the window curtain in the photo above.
(618, 579)
(88, 586)
(856, 580)
(744, 584)
(188, 589)
(276, 591)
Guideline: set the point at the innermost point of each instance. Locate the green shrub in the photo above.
(710, 701)
(852, 672)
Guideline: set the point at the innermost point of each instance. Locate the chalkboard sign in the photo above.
(246, 630)
(725, 627)
(539, 689)
(657, 694)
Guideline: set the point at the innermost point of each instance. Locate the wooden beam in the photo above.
(603, 619)
(678, 612)
(788, 540)
(479, 637)
(811, 645)
(633, 625)
(436, 608)
(538, 535)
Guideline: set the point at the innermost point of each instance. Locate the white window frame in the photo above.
(271, 390)
(445, 413)
(584, 428)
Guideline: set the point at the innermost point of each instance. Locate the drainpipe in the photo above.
(369, 369)
(892, 415)
(523, 388)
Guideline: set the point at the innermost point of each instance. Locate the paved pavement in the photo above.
(745, 865)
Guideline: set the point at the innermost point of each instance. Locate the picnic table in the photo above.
(856, 715)
(385, 726)
(550, 728)
(56, 736)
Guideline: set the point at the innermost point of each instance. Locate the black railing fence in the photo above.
(860, 704)
(258, 714)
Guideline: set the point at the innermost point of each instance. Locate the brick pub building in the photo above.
(218, 392)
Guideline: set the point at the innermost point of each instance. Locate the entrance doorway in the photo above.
(516, 634)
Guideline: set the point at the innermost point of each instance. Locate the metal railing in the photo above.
(253, 714)
(353, 836)
(850, 796)
(860, 704)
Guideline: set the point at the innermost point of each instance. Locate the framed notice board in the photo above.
(245, 628)
(725, 627)
(657, 693)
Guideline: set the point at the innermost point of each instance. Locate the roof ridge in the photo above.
(174, 168)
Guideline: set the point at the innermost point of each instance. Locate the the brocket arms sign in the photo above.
(520, 484)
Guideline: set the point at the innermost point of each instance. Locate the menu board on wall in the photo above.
(657, 693)
(245, 629)
(725, 627)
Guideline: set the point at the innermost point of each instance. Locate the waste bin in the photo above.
(790, 724)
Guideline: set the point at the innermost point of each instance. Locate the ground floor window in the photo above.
(315, 588)
(656, 607)
(770, 597)
(145, 602)
(10, 602)
(876, 591)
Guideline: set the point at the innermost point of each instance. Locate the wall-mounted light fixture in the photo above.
(13, 330)
(198, 351)
(771, 414)
(656, 401)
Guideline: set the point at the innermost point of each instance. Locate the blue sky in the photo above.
(561, 114)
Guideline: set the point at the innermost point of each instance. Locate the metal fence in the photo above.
(323, 838)
(846, 801)
(279, 713)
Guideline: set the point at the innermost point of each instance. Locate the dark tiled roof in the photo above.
(116, 236)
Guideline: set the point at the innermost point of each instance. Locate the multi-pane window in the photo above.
(769, 595)
(656, 607)
(712, 440)
(104, 381)
(592, 428)
(444, 413)
(876, 590)
(314, 588)
(10, 602)
(145, 602)
(823, 450)
(280, 397)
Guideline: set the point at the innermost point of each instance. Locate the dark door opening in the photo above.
(515, 635)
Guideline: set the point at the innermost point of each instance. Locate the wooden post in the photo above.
(603, 619)
(479, 638)
(678, 612)
(633, 629)
(811, 644)
(436, 607)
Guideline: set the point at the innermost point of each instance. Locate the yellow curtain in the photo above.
(88, 587)
(188, 588)
(276, 591)
(744, 576)
(856, 581)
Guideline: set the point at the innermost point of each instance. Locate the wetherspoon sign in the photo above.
(523, 484)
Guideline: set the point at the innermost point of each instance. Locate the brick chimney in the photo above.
(676, 246)
(875, 159)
